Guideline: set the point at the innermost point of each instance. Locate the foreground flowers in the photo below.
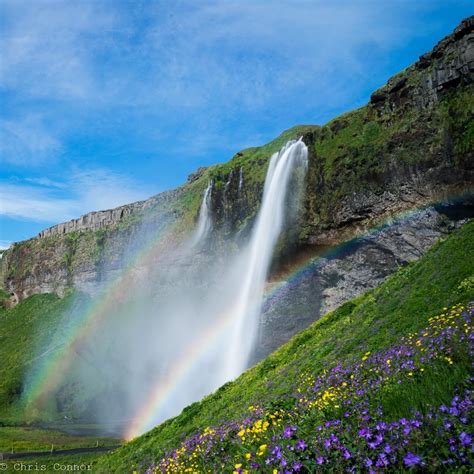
(378, 413)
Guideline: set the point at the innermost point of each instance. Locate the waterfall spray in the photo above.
(191, 317)
(220, 347)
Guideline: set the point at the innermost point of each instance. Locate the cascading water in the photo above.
(205, 219)
(257, 258)
(227, 184)
(241, 181)
(224, 317)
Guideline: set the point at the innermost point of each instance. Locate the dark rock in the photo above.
(378, 96)
(197, 174)
(398, 85)
(358, 266)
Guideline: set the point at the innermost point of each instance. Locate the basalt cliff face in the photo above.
(410, 146)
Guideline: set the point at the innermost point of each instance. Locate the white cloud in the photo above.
(84, 191)
(46, 47)
(35, 204)
(27, 142)
(186, 54)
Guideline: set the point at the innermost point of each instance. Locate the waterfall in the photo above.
(241, 181)
(257, 258)
(205, 219)
(193, 319)
(227, 184)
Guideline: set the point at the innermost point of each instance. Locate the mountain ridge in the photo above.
(393, 85)
(411, 146)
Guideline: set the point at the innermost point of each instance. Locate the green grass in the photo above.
(25, 332)
(18, 439)
(376, 320)
(21, 438)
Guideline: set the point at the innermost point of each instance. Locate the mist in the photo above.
(185, 320)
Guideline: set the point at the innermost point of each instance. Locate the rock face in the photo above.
(102, 219)
(350, 270)
(86, 252)
(450, 63)
(411, 146)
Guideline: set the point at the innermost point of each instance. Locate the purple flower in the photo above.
(382, 460)
(411, 459)
(301, 445)
(465, 439)
(297, 466)
(277, 452)
(288, 432)
(346, 454)
(320, 460)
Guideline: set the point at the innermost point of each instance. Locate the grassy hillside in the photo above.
(373, 322)
(21, 439)
(25, 331)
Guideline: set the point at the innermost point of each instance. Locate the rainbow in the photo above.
(164, 388)
(50, 373)
(48, 376)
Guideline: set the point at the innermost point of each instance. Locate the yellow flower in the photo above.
(248, 456)
(238, 466)
(410, 374)
(241, 433)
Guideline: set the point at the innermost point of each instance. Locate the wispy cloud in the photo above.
(27, 142)
(156, 88)
(47, 46)
(186, 54)
(84, 191)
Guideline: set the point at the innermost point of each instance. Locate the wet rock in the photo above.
(355, 268)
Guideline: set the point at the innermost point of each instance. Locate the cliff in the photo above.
(410, 146)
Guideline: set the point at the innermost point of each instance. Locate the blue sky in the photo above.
(107, 102)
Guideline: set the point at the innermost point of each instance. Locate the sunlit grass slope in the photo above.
(376, 321)
(26, 332)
